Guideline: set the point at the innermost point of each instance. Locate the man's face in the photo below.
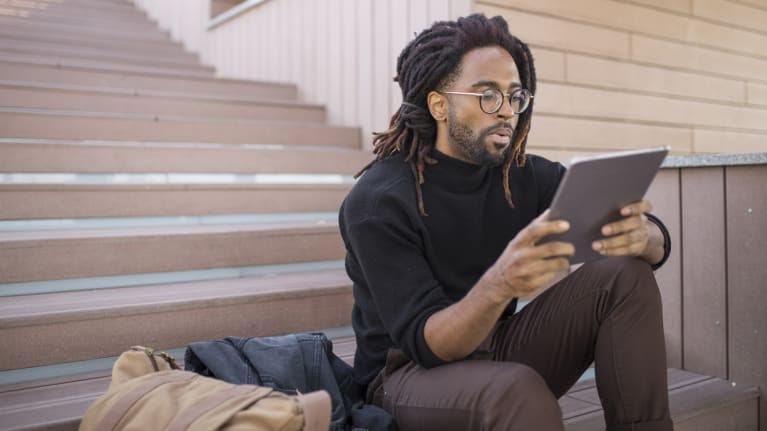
(473, 135)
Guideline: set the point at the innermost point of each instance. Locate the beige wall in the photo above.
(613, 74)
(619, 74)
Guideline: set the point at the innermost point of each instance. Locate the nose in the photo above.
(505, 112)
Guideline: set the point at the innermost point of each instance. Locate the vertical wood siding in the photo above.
(341, 53)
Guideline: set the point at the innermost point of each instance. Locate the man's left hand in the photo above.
(626, 237)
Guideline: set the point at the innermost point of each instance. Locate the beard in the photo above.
(474, 147)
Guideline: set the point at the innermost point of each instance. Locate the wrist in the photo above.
(493, 288)
(653, 251)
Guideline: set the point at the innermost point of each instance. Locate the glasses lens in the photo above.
(491, 101)
(520, 100)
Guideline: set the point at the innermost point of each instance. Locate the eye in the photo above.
(490, 96)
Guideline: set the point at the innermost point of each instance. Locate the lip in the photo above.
(502, 132)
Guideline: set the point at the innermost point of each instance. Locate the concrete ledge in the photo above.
(704, 160)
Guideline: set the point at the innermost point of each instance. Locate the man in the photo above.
(441, 235)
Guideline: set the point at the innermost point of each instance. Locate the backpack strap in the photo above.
(124, 403)
(151, 353)
(183, 420)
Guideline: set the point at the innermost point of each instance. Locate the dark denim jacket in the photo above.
(290, 364)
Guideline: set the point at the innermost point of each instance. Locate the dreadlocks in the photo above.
(431, 62)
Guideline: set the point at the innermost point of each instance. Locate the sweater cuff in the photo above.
(666, 240)
(425, 357)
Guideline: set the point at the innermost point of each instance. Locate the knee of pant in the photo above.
(634, 277)
(521, 396)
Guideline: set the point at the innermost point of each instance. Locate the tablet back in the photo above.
(594, 190)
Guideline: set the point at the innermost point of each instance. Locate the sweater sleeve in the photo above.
(548, 175)
(401, 284)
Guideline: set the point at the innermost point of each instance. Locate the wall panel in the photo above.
(664, 194)
(746, 277)
(704, 271)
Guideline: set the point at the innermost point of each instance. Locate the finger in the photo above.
(614, 242)
(643, 206)
(551, 249)
(637, 236)
(543, 266)
(631, 250)
(539, 229)
(542, 280)
(622, 226)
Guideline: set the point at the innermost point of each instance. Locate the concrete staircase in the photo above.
(145, 201)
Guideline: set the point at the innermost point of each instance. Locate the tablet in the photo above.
(593, 191)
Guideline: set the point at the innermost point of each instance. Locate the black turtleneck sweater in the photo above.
(406, 267)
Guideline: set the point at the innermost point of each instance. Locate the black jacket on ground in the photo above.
(294, 363)
(406, 267)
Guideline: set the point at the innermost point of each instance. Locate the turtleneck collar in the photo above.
(455, 174)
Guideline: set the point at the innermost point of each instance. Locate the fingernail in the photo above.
(597, 245)
(626, 211)
(564, 225)
(607, 230)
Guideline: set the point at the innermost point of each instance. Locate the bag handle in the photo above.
(151, 353)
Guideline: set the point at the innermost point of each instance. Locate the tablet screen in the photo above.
(593, 191)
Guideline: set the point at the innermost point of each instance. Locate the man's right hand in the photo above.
(524, 267)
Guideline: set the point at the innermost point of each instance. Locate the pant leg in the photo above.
(608, 311)
(470, 395)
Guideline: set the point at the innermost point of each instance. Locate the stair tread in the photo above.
(50, 60)
(168, 118)
(690, 395)
(180, 145)
(11, 239)
(73, 394)
(136, 92)
(102, 303)
(141, 72)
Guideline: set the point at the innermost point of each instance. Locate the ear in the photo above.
(437, 105)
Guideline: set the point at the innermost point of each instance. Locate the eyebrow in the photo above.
(485, 83)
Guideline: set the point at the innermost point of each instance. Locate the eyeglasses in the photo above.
(491, 100)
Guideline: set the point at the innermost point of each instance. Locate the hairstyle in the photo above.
(432, 62)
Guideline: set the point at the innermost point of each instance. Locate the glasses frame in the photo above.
(504, 96)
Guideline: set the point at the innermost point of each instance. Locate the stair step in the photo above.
(697, 403)
(62, 402)
(129, 280)
(43, 201)
(60, 124)
(58, 375)
(151, 48)
(104, 20)
(40, 155)
(69, 11)
(59, 403)
(56, 255)
(100, 5)
(145, 34)
(11, 48)
(105, 23)
(58, 62)
(93, 324)
(89, 98)
(47, 72)
(53, 46)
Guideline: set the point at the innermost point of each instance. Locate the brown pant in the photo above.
(608, 311)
